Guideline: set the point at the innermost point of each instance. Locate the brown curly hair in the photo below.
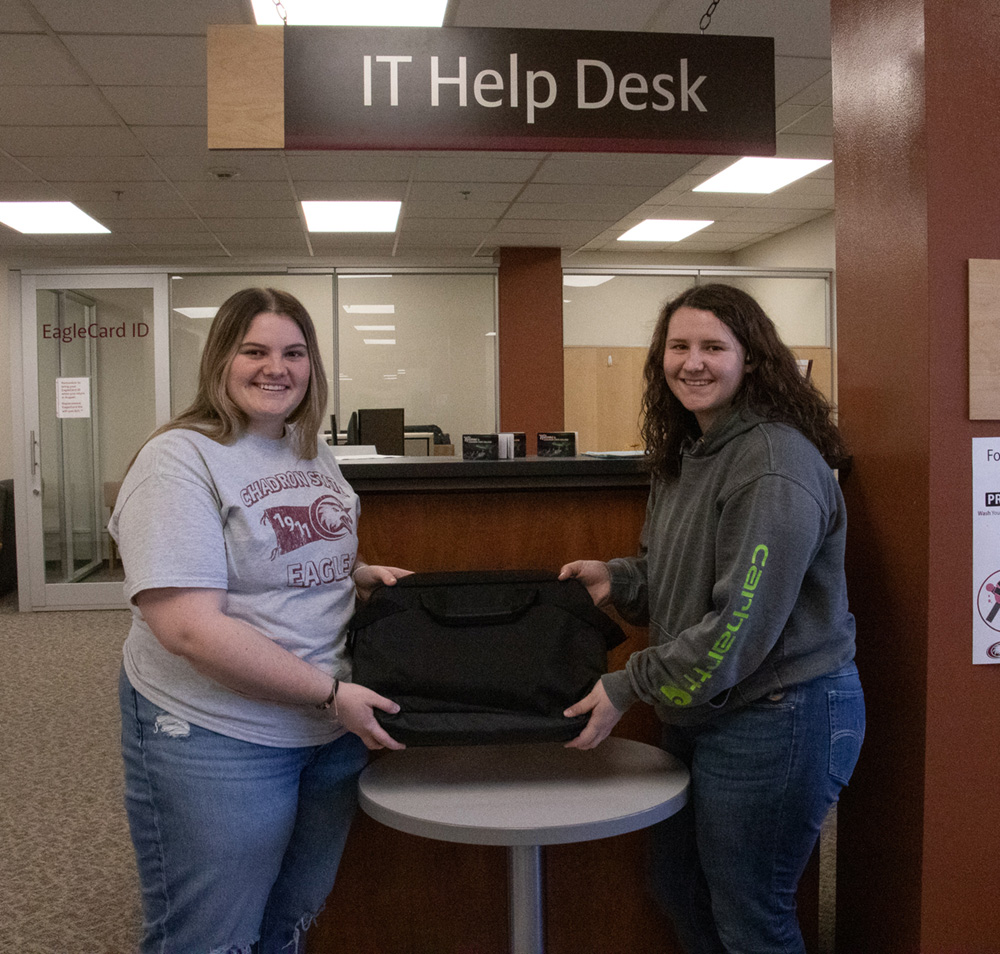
(773, 388)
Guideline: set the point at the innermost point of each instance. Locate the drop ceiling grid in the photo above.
(109, 111)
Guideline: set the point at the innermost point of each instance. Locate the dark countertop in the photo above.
(436, 474)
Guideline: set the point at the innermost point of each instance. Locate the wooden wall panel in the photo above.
(603, 393)
(246, 87)
(984, 339)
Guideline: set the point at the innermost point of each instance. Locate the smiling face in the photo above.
(703, 362)
(269, 374)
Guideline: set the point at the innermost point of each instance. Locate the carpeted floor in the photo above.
(67, 874)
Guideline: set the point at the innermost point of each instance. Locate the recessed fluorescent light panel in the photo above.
(586, 281)
(351, 216)
(428, 13)
(383, 341)
(197, 312)
(48, 218)
(761, 176)
(370, 309)
(374, 327)
(663, 230)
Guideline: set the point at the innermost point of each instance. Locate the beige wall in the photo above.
(808, 246)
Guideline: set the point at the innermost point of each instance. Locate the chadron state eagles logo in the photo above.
(326, 518)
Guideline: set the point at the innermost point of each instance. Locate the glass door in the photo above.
(94, 355)
(67, 380)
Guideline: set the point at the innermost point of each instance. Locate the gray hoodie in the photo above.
(740, 575)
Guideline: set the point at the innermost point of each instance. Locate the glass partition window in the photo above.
(609, 310)
(425, 343)
(615, 311)
(422, 342)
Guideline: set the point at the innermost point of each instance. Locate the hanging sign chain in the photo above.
(707, 17)
(280, 7)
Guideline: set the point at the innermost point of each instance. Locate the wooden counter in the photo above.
(445, 474)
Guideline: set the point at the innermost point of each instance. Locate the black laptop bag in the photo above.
(481, 657)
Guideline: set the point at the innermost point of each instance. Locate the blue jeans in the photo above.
(726, 867)
(237, 844)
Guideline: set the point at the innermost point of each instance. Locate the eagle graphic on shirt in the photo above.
(326, 518)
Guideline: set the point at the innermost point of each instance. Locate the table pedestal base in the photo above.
(524, 867)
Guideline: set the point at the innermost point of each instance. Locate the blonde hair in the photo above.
(213, 412)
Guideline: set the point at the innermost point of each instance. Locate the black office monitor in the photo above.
(352, 429)
(333, 430)
(383, 427)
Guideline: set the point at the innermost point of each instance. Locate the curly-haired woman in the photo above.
(740, 576)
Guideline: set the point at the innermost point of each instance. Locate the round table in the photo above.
(524, 797)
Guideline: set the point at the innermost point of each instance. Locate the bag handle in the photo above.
(448, 610)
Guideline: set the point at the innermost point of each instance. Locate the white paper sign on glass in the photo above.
(72, 397)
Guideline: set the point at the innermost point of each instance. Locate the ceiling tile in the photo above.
(103, 102)
(82, 141)
(351, 165)
(93, 168)
(180, 141)
(36, 60)
(141, 60)
(234, 190)
(159, 106)
(816, 121)
(54, 106)
(581, 192)
(177, 17)
(318, 191)
(473, 167)
(214, 167)
(556, 14)
(464, 191)
(614, 170)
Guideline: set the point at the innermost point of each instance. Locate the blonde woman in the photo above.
(242, 737)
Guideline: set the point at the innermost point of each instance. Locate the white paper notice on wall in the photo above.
(986, 549)
(72, 397)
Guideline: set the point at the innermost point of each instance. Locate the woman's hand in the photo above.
(356, 707)
(594, 575)
(603, 718)
(367, 577)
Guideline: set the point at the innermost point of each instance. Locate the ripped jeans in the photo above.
(237, 844)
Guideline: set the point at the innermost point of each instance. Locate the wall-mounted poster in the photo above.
(986, 549)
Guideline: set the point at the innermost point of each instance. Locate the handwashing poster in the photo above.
(986, 549)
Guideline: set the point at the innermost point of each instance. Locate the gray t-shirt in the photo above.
(278, 533)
